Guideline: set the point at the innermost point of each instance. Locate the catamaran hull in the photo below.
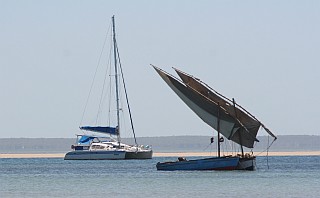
(95, 155)
(247, 164)
(139, 155)
(218, 163)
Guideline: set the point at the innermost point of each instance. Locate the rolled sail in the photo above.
(208, 106)
(101, 129)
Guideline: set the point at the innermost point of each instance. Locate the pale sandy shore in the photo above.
(173, 154)
(295, 153)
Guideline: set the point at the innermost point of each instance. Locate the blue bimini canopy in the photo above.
(100, 129)
(85, 139)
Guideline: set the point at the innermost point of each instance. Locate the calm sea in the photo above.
(297, 176)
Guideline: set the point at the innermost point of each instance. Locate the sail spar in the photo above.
(235, 124)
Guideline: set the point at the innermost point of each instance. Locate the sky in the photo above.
(265, 54)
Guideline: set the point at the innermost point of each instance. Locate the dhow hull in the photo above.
(217, 163)
(247, 164)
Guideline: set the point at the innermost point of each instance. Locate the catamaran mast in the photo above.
(116, 78)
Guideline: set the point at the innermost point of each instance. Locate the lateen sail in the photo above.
(235, 124)
(248, 124)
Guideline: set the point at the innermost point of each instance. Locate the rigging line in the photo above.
(95, 73)
(240, 138)
(268, 153)
(110, 83)
(197, 79)
(233, 148)
(212, 140)
(236, 104)
(102, 94)
(233, 116)
(229, 146)
(125, 91)
(207, 147)
(267, 147)
(241, 109)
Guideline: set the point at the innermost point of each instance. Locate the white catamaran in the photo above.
(224, 115)
(100, 147)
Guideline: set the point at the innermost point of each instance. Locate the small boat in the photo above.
(224, 115)
(99, 147)
(215, 163)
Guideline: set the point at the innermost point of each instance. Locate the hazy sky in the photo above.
(265, 54)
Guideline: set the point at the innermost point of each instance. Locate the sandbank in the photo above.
(207, 154)
(163, 154)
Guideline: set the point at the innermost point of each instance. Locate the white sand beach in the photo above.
(164, 154)
(188, 154)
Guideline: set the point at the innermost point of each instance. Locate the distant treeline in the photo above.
(163, 144)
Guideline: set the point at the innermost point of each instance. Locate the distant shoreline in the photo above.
(163, 154)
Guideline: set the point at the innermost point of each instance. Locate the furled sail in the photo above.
(100, 129)
(234, 123)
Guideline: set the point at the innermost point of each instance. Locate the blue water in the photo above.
(297, 176)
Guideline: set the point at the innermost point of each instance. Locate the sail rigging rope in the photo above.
(268, 154)
(248, 113)
(125, 91)
(95, 73)
(103, 96)
(102, 93)
(110, 90)
(267, 149)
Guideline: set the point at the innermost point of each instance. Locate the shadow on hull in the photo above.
(95, 155)
(107, 155)
(139, 155)
(248, 163)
